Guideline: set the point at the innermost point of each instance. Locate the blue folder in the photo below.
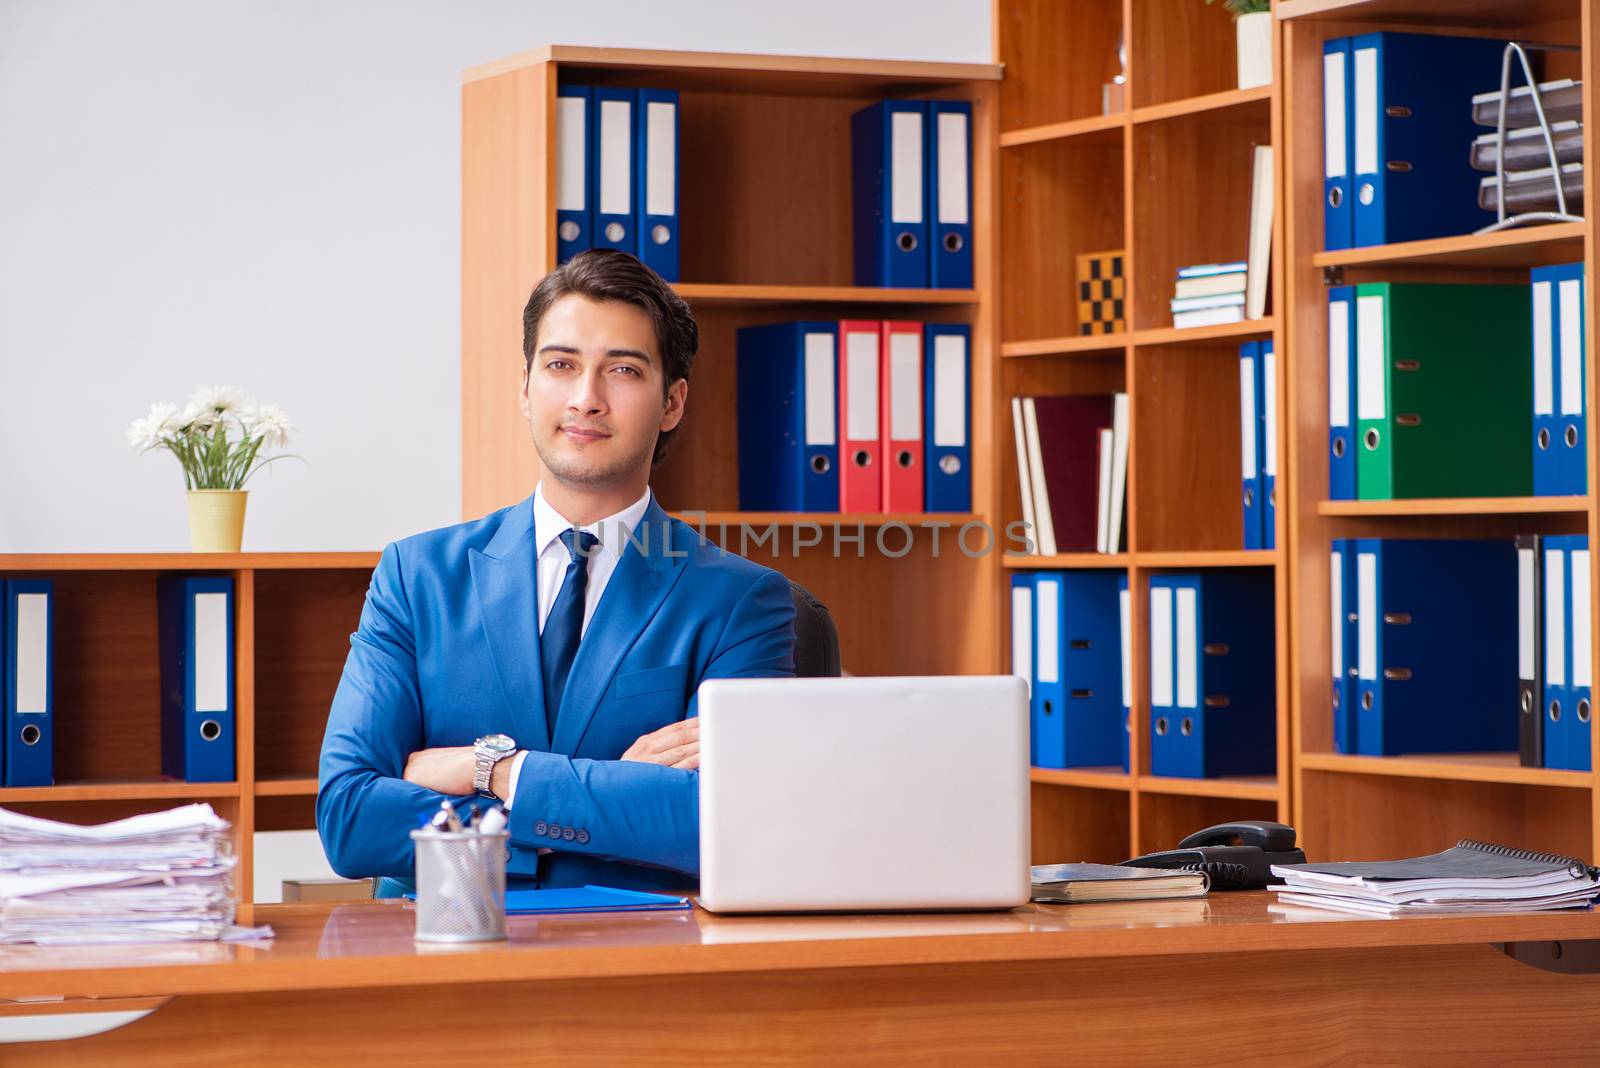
(586, 899)
(1079, 720)
(1569, 663)
(1250, 441)
(1560, 381)
(1410, 125)
(788, 417)
(947, 415)
(1267, 445)
(613, 133)
(1437, 637)
(1342, 655)
(888, 194)
(1580, 725)
(656, 190)
(1125, 636)
(1223, 716)
(1338, 219)
(197, 678)
(29, 680)
(1023, 648)
(949, 175)
(574, 164)
(1341, 393)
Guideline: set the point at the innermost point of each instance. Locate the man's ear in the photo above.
(522, 397)
(677, 399)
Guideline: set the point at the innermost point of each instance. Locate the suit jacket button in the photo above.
(555, 830)
(568, 834)
(583, 837)
(540, 827)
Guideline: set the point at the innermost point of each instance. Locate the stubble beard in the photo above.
(577, 470)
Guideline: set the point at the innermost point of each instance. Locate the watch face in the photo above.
(499, 743)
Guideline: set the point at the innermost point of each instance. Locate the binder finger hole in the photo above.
(1161, 726)
(31, 734)
(1544, 439)
(903, 458)
(1365, 194)
(660, 234)
(1555, 711)
(953, 243)
(1338, 447)
(1570, 437)
(568, 231)
(820, 464)
(1335, 197)
(862, 458)
(1366, 701)
(950, 465)
(615, 231)
(210, 730)
(1527, 703)
(907, 241)
(1186, 727)
(1583, 711)
(1370, 438)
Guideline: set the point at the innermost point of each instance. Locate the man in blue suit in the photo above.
(547, 655)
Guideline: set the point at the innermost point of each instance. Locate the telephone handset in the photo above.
(1237, 856)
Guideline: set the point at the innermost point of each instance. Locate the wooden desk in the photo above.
(1222, 978)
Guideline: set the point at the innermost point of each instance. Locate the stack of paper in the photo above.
(156, 877)
(1072, 884)
(1209, 294)
(1470, 877)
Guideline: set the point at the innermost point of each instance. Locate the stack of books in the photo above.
(1072, 470)
(1209, 294)
(1075, 884)
(156, 877)
(1470, 877)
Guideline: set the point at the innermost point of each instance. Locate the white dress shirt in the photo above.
(550, 568)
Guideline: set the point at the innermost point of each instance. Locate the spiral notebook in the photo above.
(1468, 877)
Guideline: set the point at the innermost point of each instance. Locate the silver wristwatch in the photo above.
(487, 752)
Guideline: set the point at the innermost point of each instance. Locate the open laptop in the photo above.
(850, 794)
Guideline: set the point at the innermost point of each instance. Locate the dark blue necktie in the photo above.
(558, 642)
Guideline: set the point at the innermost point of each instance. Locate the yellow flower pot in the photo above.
(216, 520)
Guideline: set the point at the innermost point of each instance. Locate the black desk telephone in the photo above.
(1237, 856)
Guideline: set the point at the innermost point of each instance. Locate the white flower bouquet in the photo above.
(218, 438)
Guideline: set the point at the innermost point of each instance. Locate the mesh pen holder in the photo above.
(461, 885)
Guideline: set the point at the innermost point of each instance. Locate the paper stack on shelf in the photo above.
(156, 877)
(1469, 877)
(1529, 179)
(1209, 294)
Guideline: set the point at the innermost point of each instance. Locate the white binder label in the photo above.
(952, 134)
(1188, 650)
(1543, 352)
(949, 390)
(1247, 415)
(1333, 136)
(661, 158)
(1269, 398)
(905, 387)
(571, 181)
(1339, 363)
(210, 652)
(1555, 618)
(1048, 596)
(1123, 605)
(33, 651)
(616, 157)
(1371, 387)
(1582, 633)
(905, 167)
(1367, 615)
(1022, 634)
(1525, 592)
(1571, 305)
(861, 379)
(1366, 105)
(1161, 646)
(821, 393)
(1336, 602)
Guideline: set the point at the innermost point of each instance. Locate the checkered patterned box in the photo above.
(1102, 293)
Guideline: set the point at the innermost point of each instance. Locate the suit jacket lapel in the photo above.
(505, 579)
(637, 587)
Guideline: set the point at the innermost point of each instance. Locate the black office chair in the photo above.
(816, 640)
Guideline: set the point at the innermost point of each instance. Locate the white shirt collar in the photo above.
(612, 530)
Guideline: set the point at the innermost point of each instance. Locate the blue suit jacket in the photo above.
(448, 649)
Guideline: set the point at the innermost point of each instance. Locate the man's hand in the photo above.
(447, 771)
(677, 745)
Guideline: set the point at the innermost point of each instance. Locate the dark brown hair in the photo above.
(602, 274)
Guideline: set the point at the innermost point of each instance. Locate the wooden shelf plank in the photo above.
(1455, 506)
(1066, 561)
(1199, 335)
(1461, 767)
(120, 791)
(758, 295)
(823, 519)
(1208, 558)
(1474, 13)
(1099, 778)
(286, 787)
(1194, 105)
(1066, 346)
(1240, 787)
(1058, 131)
(1530, 246)
(354, 561)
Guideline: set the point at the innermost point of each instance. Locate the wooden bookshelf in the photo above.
(1357, 806)
(293, 616)
(1074, 180)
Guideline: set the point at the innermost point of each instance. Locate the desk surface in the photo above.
(326, 946)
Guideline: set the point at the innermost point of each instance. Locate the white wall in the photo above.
(266, 195)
